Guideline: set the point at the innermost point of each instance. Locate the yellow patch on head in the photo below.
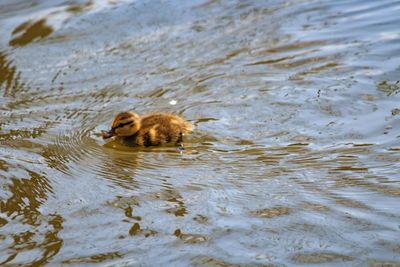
(126, 124)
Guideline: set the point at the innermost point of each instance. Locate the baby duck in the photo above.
(155, 129)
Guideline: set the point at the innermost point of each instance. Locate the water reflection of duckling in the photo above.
(152, 130)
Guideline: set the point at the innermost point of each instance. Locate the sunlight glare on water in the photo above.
(294, 159)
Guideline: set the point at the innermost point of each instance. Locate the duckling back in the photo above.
(162, 128)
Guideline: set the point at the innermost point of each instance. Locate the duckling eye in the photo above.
(124, 124)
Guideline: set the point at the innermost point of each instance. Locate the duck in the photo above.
(155, 129)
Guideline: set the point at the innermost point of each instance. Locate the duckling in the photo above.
(155, 129)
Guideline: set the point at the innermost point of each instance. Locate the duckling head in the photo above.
(124, 124)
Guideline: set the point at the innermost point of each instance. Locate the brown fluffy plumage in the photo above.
(155, 129)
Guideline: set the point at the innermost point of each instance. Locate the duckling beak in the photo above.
(108, 134)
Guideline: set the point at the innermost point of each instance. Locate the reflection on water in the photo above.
(295, 157)
(31, 31)
(10, 78)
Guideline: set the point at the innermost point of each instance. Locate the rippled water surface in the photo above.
(295, 159)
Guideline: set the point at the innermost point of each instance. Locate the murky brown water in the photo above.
(297, 110)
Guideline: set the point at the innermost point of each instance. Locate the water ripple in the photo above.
(295, 156)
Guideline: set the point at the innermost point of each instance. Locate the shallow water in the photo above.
(295, 156)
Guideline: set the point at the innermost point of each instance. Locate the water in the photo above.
(295, 156)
